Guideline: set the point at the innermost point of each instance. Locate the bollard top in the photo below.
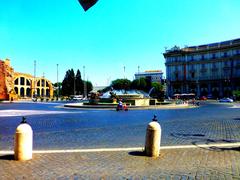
(23, 127)
(155, 126)
(154, 118)
(23, 120)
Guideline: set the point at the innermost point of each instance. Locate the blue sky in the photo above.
(110, 35)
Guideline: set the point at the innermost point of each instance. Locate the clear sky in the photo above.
(110, 35)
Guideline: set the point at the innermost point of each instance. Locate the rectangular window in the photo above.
(214, 65)
(192, 74)
(214, 56)
(225, 63)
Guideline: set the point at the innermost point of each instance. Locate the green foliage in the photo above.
(157, 92)
(57, 86)
(68, 83)
(79, 83)
(121, 84)
(140, 84)
(71, 80)
(157, 86)
(89, 86)
(236, 94)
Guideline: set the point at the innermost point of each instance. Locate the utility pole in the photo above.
(138, 69)
(124, 72)
(34, 81)
(84, 84)
(57, 83)
(74, 84)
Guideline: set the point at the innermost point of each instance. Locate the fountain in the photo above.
(132, 97)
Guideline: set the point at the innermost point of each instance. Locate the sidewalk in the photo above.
(191, 163)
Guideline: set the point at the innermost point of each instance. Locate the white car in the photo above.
(228, 100)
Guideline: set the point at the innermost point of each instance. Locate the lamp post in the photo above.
(57, 83)
(74, 85)
(84, 84)
(34, 81)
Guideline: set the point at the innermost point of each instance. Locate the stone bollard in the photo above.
(153, 138)
(23, 141)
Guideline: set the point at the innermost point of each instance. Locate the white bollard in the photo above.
(23, 142)
(153, 138)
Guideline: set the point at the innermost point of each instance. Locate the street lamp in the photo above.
(34, 81)
(84, 84)
(74, 85)
(57, 83)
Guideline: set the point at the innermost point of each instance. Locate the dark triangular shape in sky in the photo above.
(86, 4)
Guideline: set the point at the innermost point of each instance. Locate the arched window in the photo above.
(28, 92)
(22, 80)
(38, 83)
(16, 90)
(22, 92)
(43, 92)
(16, 81)
(38, 92)
(28, 82)
(43, 82)
(47, 93)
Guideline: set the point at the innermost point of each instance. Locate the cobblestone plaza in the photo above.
(57, 128)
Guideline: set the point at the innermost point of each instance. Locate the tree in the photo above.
(157, 90)
(89, 86)
(79, 83)
(139, 84)
(57, 89)
(71, 82)
(236, 94)
(121, 84)
(68, 83)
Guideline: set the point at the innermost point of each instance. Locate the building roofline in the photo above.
(204, 47)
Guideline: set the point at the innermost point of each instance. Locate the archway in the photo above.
(28, 92)
(38, 92)
(47, 92)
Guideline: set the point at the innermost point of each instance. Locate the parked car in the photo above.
(77, 98)
(228, 100)
(210, 96)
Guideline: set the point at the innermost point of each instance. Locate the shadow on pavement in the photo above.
(198, 139)
(225, 148)
(186, 135)
(7, 157)
(137, 153)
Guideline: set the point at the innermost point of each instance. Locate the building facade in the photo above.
(15, 85)
(206, 70)
(153, 75)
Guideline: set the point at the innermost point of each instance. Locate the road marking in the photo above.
(230, 145)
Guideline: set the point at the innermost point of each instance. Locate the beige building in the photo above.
(206, 70)
(152, 75)
(15, 85)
